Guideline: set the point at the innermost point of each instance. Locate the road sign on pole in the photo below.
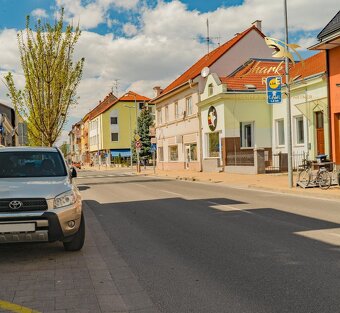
(274, 94)
(137, 137)
(138, 144)
(153, 147)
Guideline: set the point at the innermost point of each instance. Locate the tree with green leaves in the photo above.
(51, 78)
(145, 121)
(64, 148)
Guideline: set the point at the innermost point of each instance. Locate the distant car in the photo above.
(38, 198)
(77, 165)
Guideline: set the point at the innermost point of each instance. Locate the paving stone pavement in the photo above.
(45, 278)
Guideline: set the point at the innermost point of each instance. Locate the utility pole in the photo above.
(1, 127)
(289, 121)
(137, 152)
(99, 158)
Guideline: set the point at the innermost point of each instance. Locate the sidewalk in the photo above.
(269, 182)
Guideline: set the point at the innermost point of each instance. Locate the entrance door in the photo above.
(320, 133)
(187, 156)
(336, 139)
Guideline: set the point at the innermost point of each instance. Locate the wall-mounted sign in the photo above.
(212, 118)
(274, 94)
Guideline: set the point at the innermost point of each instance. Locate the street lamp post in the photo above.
(289, 122)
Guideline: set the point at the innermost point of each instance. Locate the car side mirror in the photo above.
(73, 173)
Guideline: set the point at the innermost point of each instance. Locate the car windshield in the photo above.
(31, 164)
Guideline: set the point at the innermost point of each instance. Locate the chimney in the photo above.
(257, 24)
(157, 90)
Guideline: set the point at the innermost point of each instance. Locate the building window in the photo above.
(319, 120)
(114, 120)
(176, 110)
(141, 105)
(247, 134)
(166, 114)
(210, 90)
(300, 132)
(280, 132)
(188, 105)
(193, 152)
(160, 154)
(173, 153)
(159, 117)
(114, 136)
(213, 145)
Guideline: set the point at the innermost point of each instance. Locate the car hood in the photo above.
(33, 187)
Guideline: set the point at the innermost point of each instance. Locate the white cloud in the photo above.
(93, 13)
(130, 29)
(163, 45)
(39, 13)
(306, 42)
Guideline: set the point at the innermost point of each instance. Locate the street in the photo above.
(161, 245)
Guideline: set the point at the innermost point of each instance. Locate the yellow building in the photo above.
(112, 124)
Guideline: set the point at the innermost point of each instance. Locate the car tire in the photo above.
(77, 241)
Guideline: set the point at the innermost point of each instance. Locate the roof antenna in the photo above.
(209, 39)
(208, 36)
(115, 87)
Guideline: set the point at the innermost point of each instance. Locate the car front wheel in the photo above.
(77, 241)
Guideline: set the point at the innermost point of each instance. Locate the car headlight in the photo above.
(65, 199)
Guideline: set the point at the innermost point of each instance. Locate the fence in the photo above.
(279, 162)
(241, 158)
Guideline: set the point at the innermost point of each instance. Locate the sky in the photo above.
(147, 43)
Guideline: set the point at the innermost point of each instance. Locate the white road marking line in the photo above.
(172, 193)
(229, 207)
(140, 185)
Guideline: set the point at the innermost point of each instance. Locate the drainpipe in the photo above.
(329, 108)
(308, 124)
(199, 123)
(200, 135)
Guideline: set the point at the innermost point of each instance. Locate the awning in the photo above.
(121, 152)
(308, 108)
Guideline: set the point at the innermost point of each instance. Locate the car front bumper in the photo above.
(51, 225)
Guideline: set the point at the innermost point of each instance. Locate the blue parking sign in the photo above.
(153, 147)
(274, 93)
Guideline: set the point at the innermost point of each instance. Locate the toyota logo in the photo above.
(15, 205)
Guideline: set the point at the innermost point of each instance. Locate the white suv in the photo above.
(38, 198)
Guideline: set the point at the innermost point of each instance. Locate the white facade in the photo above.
(95, 134)
(178, 130)
(307, 98)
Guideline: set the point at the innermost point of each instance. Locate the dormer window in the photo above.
(250, 87)
(210, 90)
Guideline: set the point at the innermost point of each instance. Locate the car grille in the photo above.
(27, 205)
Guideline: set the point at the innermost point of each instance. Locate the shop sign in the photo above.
(274, 94)
(212, 118)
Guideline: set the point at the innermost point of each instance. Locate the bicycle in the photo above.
(323, 177)
(304, 175)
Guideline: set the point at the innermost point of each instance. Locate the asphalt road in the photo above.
(210, 248)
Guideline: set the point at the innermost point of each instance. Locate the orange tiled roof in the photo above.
(102, 106)
(207, 61)
(313, 65)
(111, 100)
(252, 73)
(257, 69)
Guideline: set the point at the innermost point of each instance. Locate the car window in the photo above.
(31, 164)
